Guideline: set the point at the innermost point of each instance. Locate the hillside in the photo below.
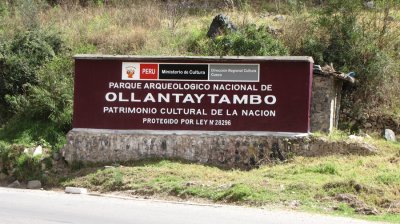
(38, 39)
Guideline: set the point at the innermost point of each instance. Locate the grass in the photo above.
(313, 182)
(32, 134)
(127, 30)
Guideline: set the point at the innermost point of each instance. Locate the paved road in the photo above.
(41, 207)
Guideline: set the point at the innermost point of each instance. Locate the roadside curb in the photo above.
(155, 200)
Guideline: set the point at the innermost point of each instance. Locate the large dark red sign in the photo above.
(176, 93)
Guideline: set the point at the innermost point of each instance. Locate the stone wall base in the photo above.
(226, 151)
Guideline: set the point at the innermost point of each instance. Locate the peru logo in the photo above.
(149, 71)
(130, 71)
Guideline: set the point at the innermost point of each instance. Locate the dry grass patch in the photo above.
(111, 30)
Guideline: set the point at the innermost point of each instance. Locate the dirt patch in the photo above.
(320, 146)
(359, 206)
(351, 186)
(392, 207)
(395, 158)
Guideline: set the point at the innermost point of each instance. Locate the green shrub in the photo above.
(21, 164)
(51, 99)
(30, 132)
(107, 180)
(3, 9)
(28, 167)
(314, 48)
(21, 58)
(325, 168)
(9, 156)
(35, 88)
(389, 178)
(4, 150)
(251, 41)
(345, 208)
(44, 111)
(238, 192)
(355, 39)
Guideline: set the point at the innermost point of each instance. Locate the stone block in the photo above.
(14, 184)
(34, 184)
(75, 190)
(38, 151)
(226, 151)
(389, 135)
